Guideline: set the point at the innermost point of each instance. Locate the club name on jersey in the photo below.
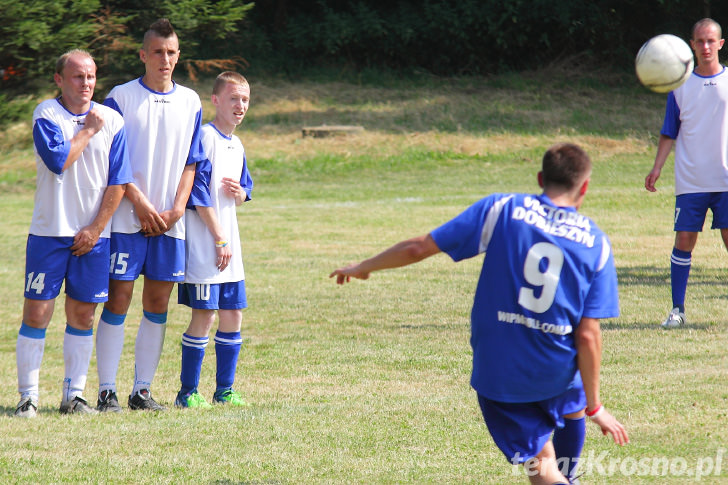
(162, 101)
(555, 221)
(534, 323)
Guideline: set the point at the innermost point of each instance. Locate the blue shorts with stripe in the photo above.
(160, 258)
(215, 296)
(691, 209)
(49, 262)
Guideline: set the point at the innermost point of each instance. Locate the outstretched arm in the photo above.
(589, 355)
(401, 254)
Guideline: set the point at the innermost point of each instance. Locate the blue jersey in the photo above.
(545, 268)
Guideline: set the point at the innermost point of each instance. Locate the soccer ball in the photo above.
(664, 63)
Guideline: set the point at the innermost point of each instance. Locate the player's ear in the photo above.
(57, 79)
(540, 179)
(584, 187)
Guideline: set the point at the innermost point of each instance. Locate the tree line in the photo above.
(288, 37)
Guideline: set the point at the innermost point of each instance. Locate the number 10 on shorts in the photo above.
(202, 292)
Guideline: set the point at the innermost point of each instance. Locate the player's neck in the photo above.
(709, 69)
(160, 86)
(75, 109)
(224, 128)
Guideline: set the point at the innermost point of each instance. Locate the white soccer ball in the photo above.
(664, 63)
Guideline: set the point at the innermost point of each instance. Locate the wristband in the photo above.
(595, 412)
(220, 244)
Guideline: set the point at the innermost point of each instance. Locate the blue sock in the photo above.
(193, 351)
(568, 443)
(680, 262)
(227, 349)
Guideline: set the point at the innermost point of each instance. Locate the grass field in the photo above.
(368, 383)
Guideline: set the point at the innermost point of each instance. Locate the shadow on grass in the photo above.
(660, 276)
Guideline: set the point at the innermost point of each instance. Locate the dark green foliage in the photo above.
(33, 34)
(448, 37)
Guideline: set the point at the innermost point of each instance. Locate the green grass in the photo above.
(368, 383)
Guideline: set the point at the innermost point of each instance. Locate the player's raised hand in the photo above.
(609, 424)
(344, 275)
(93, 121)
(233, 188)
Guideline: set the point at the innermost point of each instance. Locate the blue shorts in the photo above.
(160, 258)
(690, 211)
(521, 429)
(48, 262)
(216, 296)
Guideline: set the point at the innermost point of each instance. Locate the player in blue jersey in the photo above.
(82, 168)
(548, 277)
(163, 121)
(696, 123)
(215, 278)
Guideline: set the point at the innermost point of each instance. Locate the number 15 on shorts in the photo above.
(118, 263)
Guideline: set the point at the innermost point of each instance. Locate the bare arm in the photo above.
(171, 216)
(86, 238)
(401, 254)
(92, 124)
(208, 216)
(663, 150)
(589, 356)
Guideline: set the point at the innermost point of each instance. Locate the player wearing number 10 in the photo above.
(548, 277)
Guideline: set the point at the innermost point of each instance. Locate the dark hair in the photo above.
(565, 165)
(160, 28)
(231, 77)
(704, 23)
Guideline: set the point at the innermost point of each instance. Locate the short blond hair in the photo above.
(230, 77)
(706, 22)
(63, 60)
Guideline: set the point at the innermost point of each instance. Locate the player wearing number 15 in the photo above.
(548, 277)
(83, 166)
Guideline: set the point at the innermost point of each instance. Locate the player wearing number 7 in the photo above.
(548, 277)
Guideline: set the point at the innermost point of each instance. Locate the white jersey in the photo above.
(67, 201)
(227, 158)
(697, 117)
(163, 136)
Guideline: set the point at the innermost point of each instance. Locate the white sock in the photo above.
(148, 349)
(109, 345)
(29, 355)
(78, 345)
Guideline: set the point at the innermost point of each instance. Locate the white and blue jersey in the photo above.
(67, 201)
(225, 158)
(163, 131)
(696, 116)
(545, 268)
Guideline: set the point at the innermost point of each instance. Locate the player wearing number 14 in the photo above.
(83, 168)
(548, 277)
